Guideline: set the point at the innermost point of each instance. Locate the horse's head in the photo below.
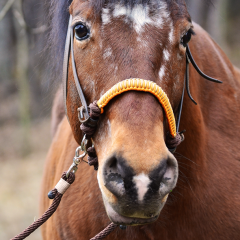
(114, 42)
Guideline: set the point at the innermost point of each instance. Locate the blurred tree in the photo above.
(35, 17)
(22, 65)
(233, 33)
(221, 19)
(24, 20)
(210, 15)
(7, 50)
(23, 34)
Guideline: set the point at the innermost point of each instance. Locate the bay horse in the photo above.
(190, 194)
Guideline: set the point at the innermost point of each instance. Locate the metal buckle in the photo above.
(84, 144)
(78, 158)
(82, 114)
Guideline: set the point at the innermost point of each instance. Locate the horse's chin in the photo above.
(123, 220)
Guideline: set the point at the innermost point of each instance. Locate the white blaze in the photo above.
(171, 34)
(142, 182)
(139, 15)
(105, 16)
(107, 53)
(162, 72)
(166, 55)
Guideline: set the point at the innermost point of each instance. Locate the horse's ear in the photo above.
(70, 7)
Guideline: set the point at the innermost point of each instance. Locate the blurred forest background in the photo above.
(26, 94)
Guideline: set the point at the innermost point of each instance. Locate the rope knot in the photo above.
(173, 143)
(92, 157)
(89, 127)
(95, 111)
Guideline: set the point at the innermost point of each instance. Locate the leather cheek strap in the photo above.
(68, 49)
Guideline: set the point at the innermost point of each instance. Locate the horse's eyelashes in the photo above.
(187, 37)
(81, 32)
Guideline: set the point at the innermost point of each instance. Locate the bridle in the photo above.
(87, 121)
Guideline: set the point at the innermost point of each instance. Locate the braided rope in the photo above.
(105, 232)
(141, 85)
(96, 108)
(49, 212)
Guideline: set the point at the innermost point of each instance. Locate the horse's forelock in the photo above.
(99, 4)
(58, 17)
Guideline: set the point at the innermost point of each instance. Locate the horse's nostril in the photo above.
(121, 180)
(113, 163)
(112, 177)
(164, 176)
(117, 175)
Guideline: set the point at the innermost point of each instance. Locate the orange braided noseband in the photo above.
(145, 86)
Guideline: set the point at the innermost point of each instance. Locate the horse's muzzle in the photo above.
(140, 197)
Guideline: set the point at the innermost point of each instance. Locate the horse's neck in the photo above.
(212, 127)
(237, 73)
(218, 108)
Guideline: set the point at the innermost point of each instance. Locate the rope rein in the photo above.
(68, 177)
(56, 194)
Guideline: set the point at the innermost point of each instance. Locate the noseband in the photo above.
(89, 115)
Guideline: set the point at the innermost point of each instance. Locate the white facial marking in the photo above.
(142, 182)
(102, 93)
(120, 10)
(107, 53)
(139, 39)
(109, 128)
(162, 72)
(140, 15)
(179, 57)
(166, 55)
(116, 69)
(164, 10)
(171, 34)
(105, 16)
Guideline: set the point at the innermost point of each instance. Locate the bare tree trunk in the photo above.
(211, 17)
(35, 18)
(216, 21)
(7, 52)
(196, 10)
(22, 77)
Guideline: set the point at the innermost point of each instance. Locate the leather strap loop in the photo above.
(68, 48)
(189, 55)
(77, 83)
(65, 65)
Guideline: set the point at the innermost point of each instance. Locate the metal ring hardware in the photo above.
(76, 160)
(84, 144)
(81, 114)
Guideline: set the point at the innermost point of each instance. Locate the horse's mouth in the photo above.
(122, 220)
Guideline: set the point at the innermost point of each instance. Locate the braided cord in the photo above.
(145, 86)
(105, 232)
(48, 213)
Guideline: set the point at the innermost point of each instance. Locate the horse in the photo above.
(192, 193)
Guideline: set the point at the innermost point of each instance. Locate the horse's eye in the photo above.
(187, 37)
(81, 32)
